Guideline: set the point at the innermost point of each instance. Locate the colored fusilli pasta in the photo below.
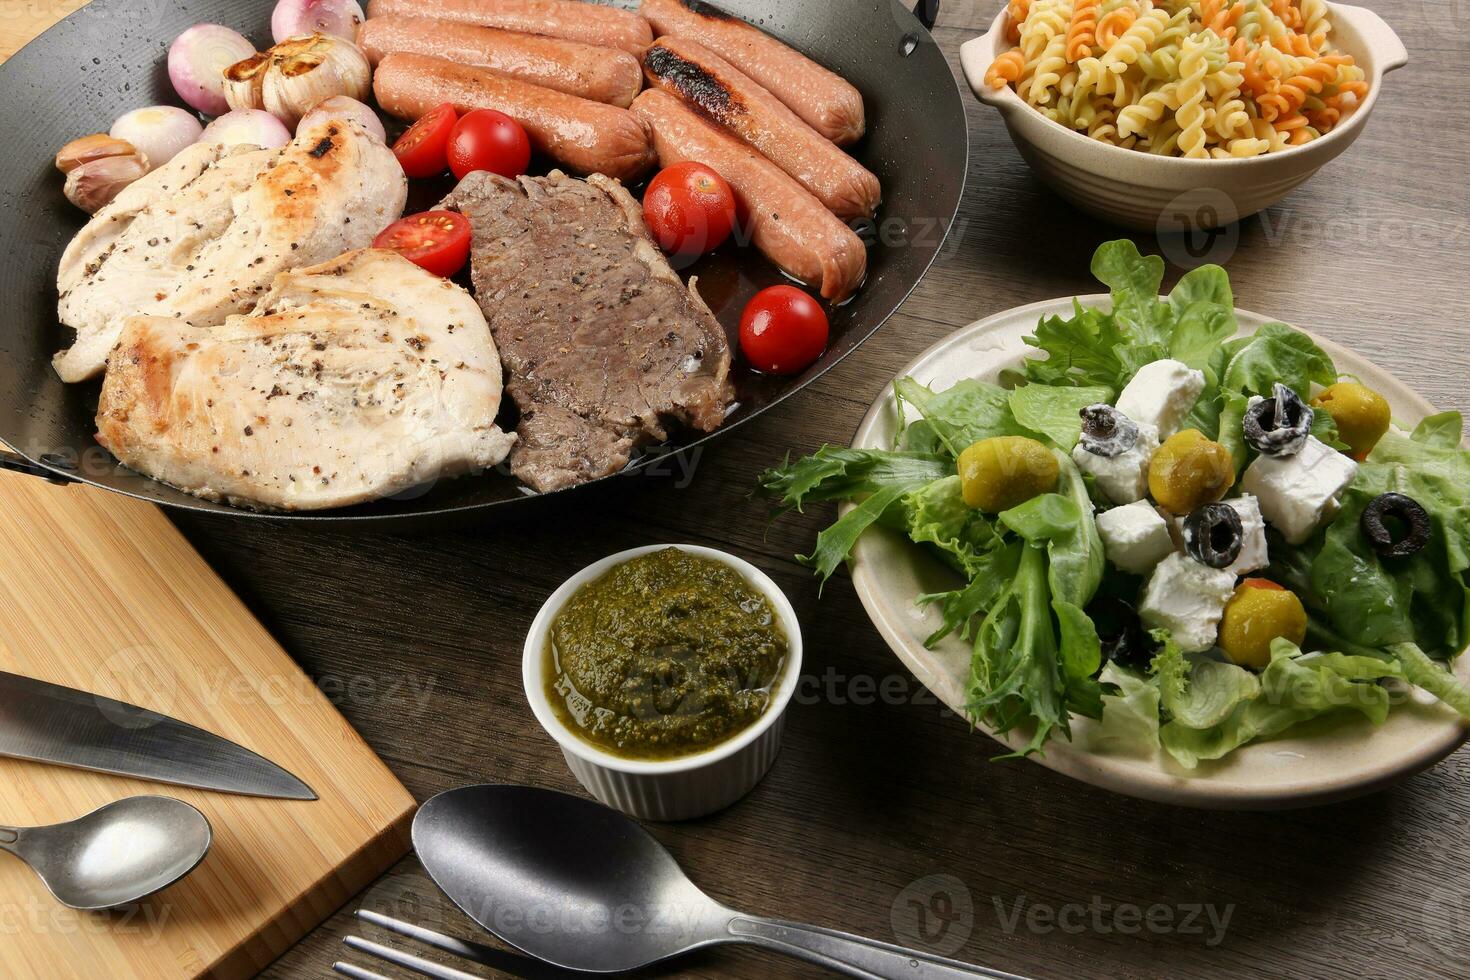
(1196, 78)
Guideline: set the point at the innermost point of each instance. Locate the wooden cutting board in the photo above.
(102, 593)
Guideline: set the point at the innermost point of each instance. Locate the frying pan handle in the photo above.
(16, 463)
(928, 12)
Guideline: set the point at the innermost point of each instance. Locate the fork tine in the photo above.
(356, 972)
(407, 960)
(478, 952)
(515, 964)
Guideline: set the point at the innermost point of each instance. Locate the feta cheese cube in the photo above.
(1135, 537)
(1188, 599)
(1162, 394)
(1253, 556)
(1297, 493)
(1123, 478)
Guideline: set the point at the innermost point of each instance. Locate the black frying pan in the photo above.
(108, 58)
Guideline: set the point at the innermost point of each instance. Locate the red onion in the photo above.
(345, 107)
(196, 63)
(293, 18)
(158, 132)
(252, 127)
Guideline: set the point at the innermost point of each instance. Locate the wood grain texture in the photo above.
(102, 594)
(417, 639)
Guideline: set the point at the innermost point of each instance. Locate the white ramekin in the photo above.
(1172, 194)
(672, 789)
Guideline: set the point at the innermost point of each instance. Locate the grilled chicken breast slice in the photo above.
(203, 236)
(352, 380)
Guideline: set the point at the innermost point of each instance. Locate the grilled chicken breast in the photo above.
(203, 236)
(352, 380)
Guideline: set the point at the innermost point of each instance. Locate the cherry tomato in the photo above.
(436, 241)
(783, 330)
(488, 140)
(690, 209)
(422, 150)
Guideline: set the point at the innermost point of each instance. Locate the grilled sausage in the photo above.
(723, 93)
(788, 224)
(825, 100)
(589, 23)
(600, 74)
(587, 137)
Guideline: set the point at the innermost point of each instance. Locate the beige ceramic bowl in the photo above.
(1172, 194)
(1332, 758)
(688, 786)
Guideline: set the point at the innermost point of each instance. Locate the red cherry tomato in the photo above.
(488, 140)
(436, 241)
(690, 209)
(783, 330)
(423, 149)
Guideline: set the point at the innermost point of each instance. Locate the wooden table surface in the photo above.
(883, 815)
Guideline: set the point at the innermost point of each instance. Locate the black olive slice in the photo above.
(1121, 632)
(1213, 535)
(1280, 425)
(1107, 432)
(1396, 525)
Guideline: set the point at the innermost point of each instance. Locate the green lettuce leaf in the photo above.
(1278, 353)
(1081, 351)
(1135, 281)
(961, 416)
(1130, 719)
(1442, 431)
(1055, 412)
(936, 514)
(1015, 674)
(1293, 689)
(840, 473)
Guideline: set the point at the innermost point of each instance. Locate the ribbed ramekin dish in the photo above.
(672, 789)
(1173, 194)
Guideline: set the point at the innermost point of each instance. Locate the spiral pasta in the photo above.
(1205, 79)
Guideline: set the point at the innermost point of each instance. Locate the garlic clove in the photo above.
(98, 146)
(244, 80)
(93, 184)
(305, 71)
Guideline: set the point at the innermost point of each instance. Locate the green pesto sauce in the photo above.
(665, 655)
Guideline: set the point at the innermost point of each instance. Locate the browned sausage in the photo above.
(600, 74)
(825, 100)
(723, 93)
(589, 23)
(586, 137)
(786, 223)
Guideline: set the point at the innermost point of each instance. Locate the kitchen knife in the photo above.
(44, 722)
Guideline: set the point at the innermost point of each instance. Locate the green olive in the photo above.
(1007, 471)
(1189, 471)
(1362, 415)
(1260, 611)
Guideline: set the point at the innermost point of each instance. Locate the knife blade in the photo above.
(43, 722)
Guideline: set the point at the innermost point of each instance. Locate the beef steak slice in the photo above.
(602, 343)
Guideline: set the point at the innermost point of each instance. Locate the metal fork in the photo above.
(510, 963)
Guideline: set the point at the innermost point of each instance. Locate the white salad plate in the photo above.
(1329, 759)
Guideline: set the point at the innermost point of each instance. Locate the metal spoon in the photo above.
(117, 855)
(581, 886)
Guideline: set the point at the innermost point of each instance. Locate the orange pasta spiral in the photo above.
(1016, 13)
(1082, 34)
(1006, 69)
(1115, 25)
